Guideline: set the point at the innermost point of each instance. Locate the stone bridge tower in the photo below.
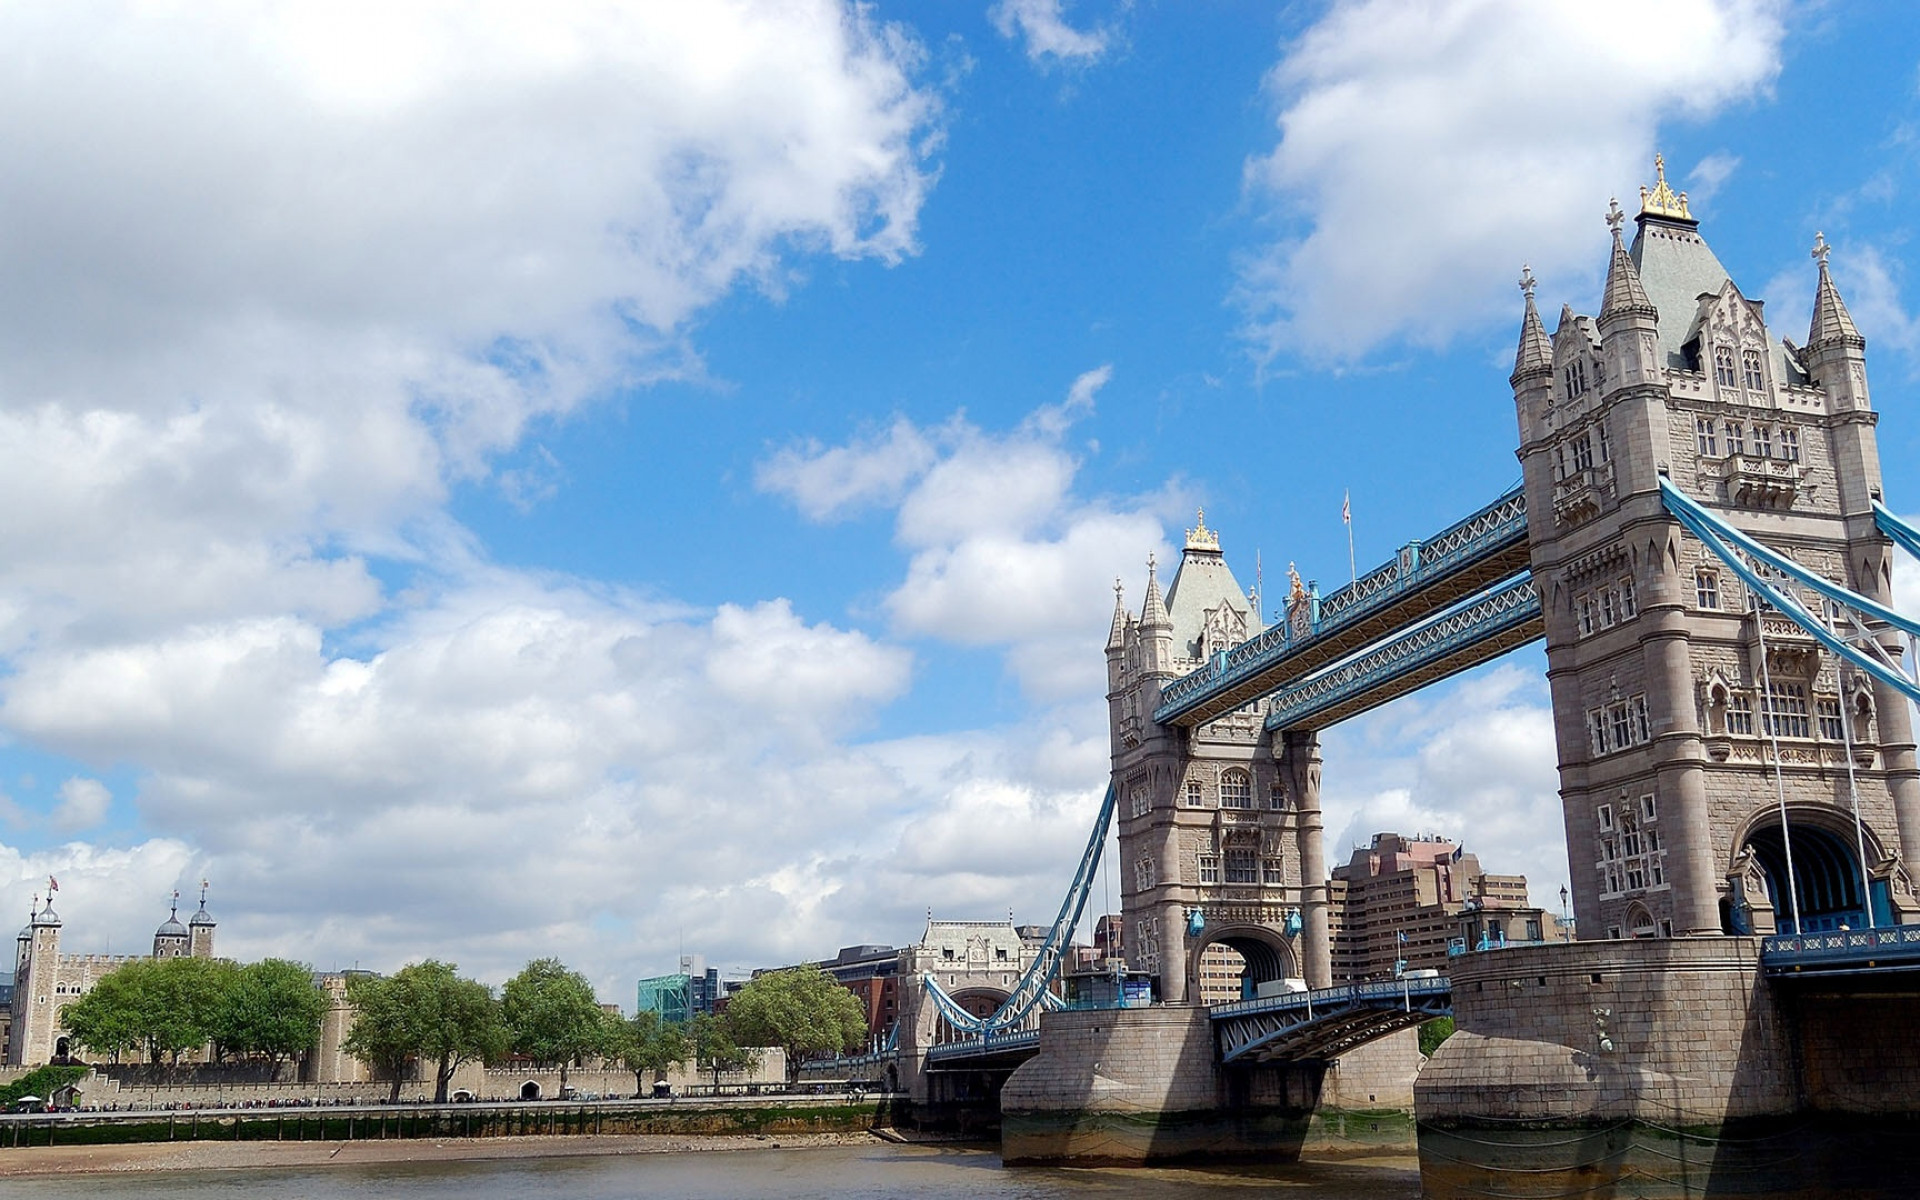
(1686, 715)
(1219, 825)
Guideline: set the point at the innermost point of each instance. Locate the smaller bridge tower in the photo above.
(1220, 832)
(1688, 715)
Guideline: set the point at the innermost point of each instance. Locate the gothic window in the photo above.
(1143, 874)
(1605, 813)
(1242, 867)
(1619, 725)
(1597, 732)
(1704, 437)
(1575, 377)
(1763, 441)
(1236, 790)
(1647, 807)
(1789, 443)
(1827, 710)
(1209, 868)
(1629, 605)
(1740, 715)
(1142, 799)
(1641, 730)
(1750, 362)
(1196, 795)
(1585, 608)
(1723, 367)
(1583, 453)
(1276, 797)
(1275, 872)
(1603, 447)
(1784, 713)
(1609, 607)
(1736, 438)
(1706, 588)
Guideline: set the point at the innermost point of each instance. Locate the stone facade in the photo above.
(1219, 825)
(1666, 681)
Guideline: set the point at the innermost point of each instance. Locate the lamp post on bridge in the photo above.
(1566, 919)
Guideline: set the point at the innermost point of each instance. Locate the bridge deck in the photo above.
(1324, 1023)
(1425, 578)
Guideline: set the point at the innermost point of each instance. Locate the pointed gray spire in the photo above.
(1535, 355)
(1117, 636)
(1625, 295)
(1832, 324)
(1153, 612)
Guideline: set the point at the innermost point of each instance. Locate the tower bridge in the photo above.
(1700, 537)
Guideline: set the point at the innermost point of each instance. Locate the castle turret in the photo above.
(1629, 322)
(200, 928)
(1156, 628)
(171, 940)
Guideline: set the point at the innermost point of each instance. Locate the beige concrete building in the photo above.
(1400, 902)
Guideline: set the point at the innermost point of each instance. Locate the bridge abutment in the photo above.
(1144, 1085)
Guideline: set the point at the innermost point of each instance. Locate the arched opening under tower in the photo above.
(530, 1090)
(1264, 957)
(1826, 871)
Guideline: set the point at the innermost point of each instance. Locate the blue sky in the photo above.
(636, 477)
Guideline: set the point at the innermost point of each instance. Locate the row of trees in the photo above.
(428, 1013)
(164, 1007)
(159, 1008)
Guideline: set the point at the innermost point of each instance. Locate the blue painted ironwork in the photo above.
(1496, 622)
(1326, 1022)
(1497, 533)
(1904, 535)
(1739, 552)
(982, 1045)
(1843, 951)
(1033, 989)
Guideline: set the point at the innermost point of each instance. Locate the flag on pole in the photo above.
(1346, 507)
(53, 885)
(1346, 518)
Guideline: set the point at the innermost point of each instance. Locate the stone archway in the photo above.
(1826, 872)
(530, 1090)
(1267, 953)
(979, 1001)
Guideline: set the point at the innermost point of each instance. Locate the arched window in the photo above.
(1750, 361)
(1143, 873)
(1236, 790)
(1723, 368)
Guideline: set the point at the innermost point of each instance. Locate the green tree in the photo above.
(272, 1008)
(107, 1019)
(427, 1012)
(801, 1010)
(552, 1017)
(158, 1006)
(1432, 1033)
(715, 1048)
(650, 1047)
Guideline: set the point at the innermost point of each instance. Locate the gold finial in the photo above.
(1662, 201)
(1200, 537)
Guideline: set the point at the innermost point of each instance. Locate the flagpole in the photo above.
(1346, 516)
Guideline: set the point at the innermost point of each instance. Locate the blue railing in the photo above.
(985, 1043)
(1378, 994)
(1896, 947)
(1497, 528)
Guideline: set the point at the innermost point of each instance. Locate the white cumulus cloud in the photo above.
(1043, 25)
(1427, 149)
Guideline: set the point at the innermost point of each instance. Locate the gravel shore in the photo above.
(214, 1156)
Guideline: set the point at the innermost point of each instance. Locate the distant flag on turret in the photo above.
(53, 885)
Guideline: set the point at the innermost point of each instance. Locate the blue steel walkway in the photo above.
(1326, 1022)
(1894, 950)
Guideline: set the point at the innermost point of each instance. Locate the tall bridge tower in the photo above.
(1688, 717)
(1219, 823)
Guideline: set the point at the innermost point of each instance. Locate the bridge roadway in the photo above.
(1424, 580)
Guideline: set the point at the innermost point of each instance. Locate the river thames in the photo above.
(925, 1172)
